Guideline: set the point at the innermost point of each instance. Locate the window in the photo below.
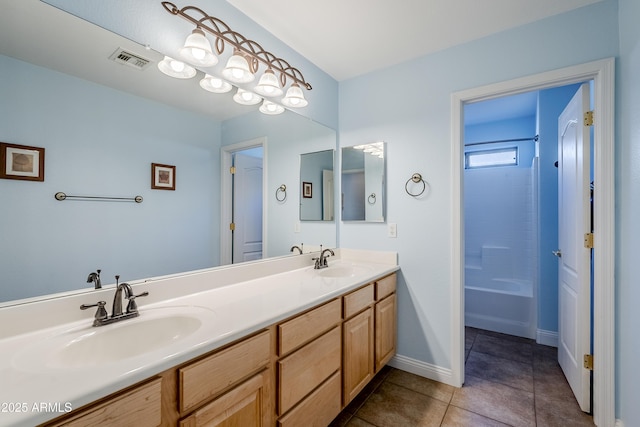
(490, 158)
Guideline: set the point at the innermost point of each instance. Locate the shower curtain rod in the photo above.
(535, 138)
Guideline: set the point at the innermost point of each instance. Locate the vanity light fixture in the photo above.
(174, 68)
(268, 84)
(375, 149)
(271, 108)
(294, 97)
(245, 97)
(215, 84)
(237, 69)
(197, 50)
(246, 60)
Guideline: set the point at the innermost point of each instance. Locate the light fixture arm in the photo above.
(251, 49)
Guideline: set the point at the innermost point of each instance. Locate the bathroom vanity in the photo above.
(282, 345)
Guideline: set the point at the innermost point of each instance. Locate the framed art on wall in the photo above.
(307, 190)
(163, 177)
(21, 162)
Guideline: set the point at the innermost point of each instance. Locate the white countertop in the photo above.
(33, 389)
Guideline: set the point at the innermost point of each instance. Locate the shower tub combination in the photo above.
(501, 305)
(498, 302)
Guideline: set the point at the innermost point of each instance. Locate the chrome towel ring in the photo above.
(281, 197)
(416, 178)
(371, 199)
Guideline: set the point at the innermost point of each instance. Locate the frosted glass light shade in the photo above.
(237, 70)
(268, 84)
(215, 84)
(271, 108)
(245, 97)
(294, 97)
(175, 68)
(197, 50)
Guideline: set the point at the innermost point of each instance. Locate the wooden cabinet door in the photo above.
(385, 324)
(246, 405)
(358, 353)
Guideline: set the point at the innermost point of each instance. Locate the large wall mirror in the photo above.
(316, 186)
(102, 126)
(363, 183)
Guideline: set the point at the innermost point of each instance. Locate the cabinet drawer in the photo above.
(139, 407)
(304, 328)
(206, 378)
(304, 370)
(245, 405)
(358, 300)
(317, 410)
(385, 286)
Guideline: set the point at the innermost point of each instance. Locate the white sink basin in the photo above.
(89, 346)
(342, 269)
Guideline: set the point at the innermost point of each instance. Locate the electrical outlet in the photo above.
(296, 227)
(392, 230)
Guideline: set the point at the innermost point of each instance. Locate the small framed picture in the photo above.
(21, 162)
(163, 177)
(307, 190)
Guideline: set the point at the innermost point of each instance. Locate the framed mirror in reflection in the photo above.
(316, 186)
(362, 181)
(103, 124)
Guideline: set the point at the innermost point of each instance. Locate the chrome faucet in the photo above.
(103, 318)
(299, 248)
(95, 279)
(117, 298)
(321, 262)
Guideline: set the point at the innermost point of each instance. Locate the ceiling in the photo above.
(348, 38)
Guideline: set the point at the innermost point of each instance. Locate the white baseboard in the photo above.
(418, 367)
(549, 338)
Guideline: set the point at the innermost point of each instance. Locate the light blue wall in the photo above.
(99, 141)
(551, 102)
(628, 215)
(413, 117)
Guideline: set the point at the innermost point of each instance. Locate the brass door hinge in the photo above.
(232, 170)
(588, 240)
(588, 118)
(588, 362)
(232, 226)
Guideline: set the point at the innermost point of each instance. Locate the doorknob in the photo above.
(557, 253)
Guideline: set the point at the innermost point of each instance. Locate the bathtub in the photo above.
(501, 305)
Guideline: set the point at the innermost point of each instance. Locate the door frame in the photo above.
(602, 73)
(226, 194)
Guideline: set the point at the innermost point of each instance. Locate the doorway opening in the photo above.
(522, 201)
(243, 215)
(602, 74)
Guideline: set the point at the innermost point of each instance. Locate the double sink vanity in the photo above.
(274, 342)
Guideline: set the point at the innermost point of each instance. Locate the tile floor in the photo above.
(510, 381)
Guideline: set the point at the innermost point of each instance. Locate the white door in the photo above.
(247, 208)
(327, 195)
(574, 293)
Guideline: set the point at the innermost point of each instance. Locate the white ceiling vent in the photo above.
(122, 56)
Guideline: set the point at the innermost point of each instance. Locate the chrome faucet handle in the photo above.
(101, 312)
(132, 307)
